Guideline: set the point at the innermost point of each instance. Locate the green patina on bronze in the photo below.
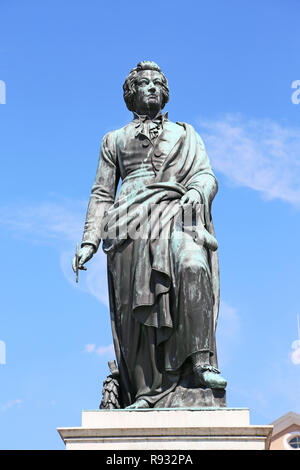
(163, 290)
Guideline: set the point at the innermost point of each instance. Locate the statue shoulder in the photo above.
(182, 126)
(185, 125)
(175, 127)
(192, 130)
(109, 138)
(123, 133)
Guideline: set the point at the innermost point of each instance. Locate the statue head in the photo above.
(146, 88)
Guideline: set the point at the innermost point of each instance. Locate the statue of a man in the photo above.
(163, 288)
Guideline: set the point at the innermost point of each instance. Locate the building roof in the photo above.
(285, 421)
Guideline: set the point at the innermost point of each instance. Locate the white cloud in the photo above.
(106, 350)
(96, 277)
(11, 404)
(100, 350)
(94, 280)
(45, 220)
(295, 354)
(257, 153)
(62, 222)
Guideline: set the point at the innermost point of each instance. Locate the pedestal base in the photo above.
(194, 398)
(167, 429)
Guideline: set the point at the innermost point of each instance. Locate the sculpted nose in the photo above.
(152, 88)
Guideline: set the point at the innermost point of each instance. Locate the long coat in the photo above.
(163, 284)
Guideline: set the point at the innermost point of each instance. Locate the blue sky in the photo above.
(230, 67)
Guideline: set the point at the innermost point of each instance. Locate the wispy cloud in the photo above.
(61, 222)
(257, 153)
(11, 404)
(100, 350)
(94, 280)
(45, 220)
(295, 354)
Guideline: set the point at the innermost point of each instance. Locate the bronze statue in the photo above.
(163, 273)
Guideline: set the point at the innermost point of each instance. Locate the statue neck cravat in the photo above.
(147, 127)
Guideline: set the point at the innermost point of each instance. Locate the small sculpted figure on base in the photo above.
(162, 263)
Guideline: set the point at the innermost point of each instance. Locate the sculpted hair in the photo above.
(129, 84)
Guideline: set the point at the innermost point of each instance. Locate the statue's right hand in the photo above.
(85, 254)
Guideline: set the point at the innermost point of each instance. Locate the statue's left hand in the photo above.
(191, 197)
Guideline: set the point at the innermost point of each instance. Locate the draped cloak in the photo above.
(160, 313)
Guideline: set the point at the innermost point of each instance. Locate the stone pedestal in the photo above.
(167, 429)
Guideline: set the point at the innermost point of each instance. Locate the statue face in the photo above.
(149, 92)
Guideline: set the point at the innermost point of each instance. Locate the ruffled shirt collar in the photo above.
(147, 127)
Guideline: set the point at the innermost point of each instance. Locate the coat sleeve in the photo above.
(103, 191)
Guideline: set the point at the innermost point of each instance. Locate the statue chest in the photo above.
(140, 153)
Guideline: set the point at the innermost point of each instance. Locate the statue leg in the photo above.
(150, 382)
(195, 309)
